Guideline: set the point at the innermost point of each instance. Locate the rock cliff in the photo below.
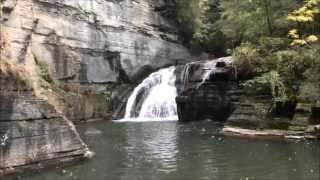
(84, 56)
(32, 132)
(91, 41)
(91, 44)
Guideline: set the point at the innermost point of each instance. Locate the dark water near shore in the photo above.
(174, 151)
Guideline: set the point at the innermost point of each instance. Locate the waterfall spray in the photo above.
(154, 98)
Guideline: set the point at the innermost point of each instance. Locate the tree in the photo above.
(248, 20)
(306, 23)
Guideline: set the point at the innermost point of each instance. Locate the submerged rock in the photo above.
(92, 132)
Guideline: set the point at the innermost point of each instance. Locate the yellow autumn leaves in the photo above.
(297, 40)
(303, 15)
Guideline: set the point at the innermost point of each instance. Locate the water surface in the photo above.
(171, 150)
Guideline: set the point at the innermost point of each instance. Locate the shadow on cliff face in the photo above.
(154, 59)
(114, 60)
(66, 62)
(85, 72)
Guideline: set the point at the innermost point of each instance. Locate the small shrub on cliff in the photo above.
(45, 72)
(13, 77)
(270, 82)
(247, 60)
(310, 87)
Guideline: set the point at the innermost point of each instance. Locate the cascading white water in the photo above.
(154, 98)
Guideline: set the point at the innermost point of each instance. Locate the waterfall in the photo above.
(154, 98)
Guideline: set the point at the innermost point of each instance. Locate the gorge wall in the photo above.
(83, 58)
(33, 133)
(91, 45)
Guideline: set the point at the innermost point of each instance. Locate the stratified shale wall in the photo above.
(84, 57)
(33, 134)
(92, 47)
(91, 41)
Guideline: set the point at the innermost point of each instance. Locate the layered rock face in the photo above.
(92, 41)
(87, 55)
(33, 134)
(92, 46)
(203, 89)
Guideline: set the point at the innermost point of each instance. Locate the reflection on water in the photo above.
(155, 146)
(173, 151)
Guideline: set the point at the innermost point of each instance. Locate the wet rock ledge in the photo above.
(33, 134)
(213, 90)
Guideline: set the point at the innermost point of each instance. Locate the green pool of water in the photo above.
(175, 151)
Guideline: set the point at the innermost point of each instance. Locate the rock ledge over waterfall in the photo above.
(212, 90)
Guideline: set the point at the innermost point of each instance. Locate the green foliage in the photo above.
(269, 82)
(215, 26)
(310, 87)
(275, 44)
(198, 25)
(248, 20)
(287, 73)
(185, 14)
(266, 54)
(209, 35)
(247, 60)
(45, 72)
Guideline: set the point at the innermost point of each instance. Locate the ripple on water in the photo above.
(171, 150)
